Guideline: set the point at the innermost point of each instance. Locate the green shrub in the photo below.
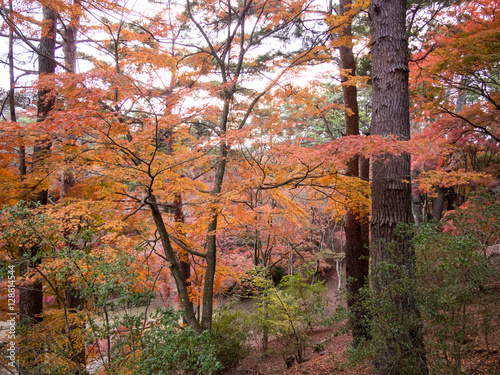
(456, 297)
(288, 311)
(164, 348)
(230, 332)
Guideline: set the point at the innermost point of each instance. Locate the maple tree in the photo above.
(454, 87)
(105, 123)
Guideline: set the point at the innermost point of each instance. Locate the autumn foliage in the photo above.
(190, 142)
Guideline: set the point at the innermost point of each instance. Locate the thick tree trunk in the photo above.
(355, 252)
(46, 101)
(46, 61)
(69, 45)
(31, 294)
(74, 302)
(400, 343)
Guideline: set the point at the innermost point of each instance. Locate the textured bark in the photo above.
(364, 174)
(69, 45)
(31, 293)
(356, 254)
(46, 101)
(392, 195)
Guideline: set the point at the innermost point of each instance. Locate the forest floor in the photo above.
(331, 359)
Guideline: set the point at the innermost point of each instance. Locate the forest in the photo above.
(204, 186)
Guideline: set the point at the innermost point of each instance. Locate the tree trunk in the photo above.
(437, 209)
(184, 263)
(46, 61)
(31, 294)
(74, 304)
(69, 43)
(417, 204)
(167, 142)
(46, 101)
(211, 252)
(417, 208)
(355, 252)
(174, 267)
(400, 347)
(364, 174)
